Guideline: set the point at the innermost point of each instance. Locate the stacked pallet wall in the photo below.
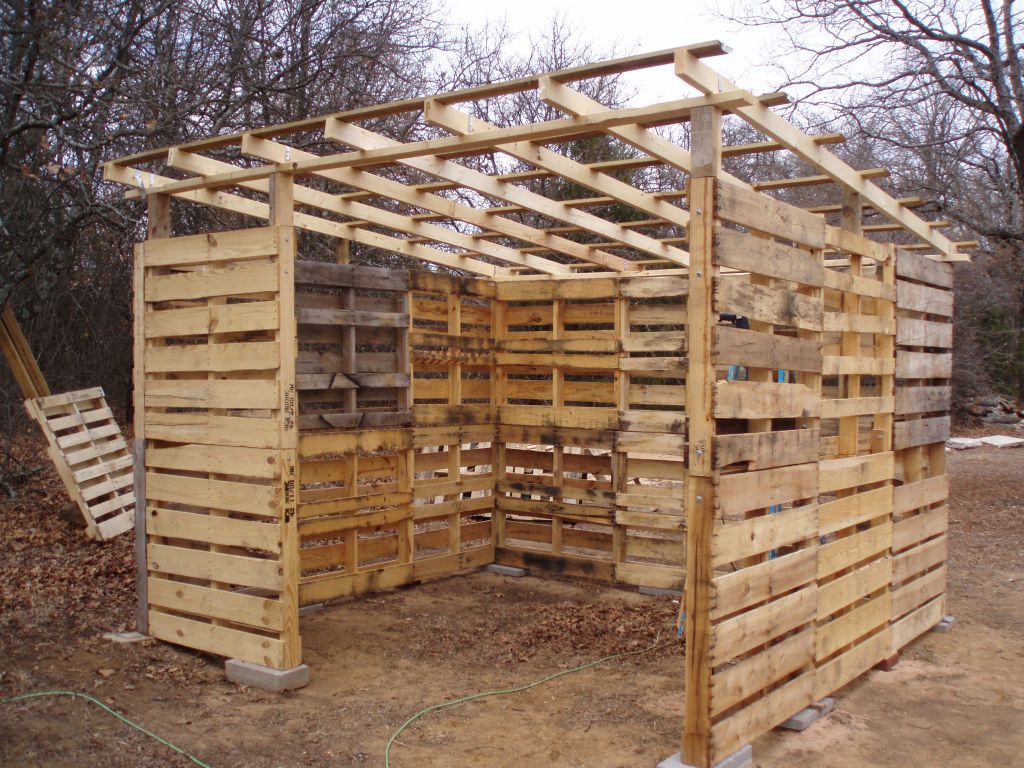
(855, 477)
(790, 569)
(756, 624)
(589, 385)
(215, 406)
(394, 377)
(452, 353)
(924, 337)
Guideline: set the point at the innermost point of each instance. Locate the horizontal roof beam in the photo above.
(546, 131)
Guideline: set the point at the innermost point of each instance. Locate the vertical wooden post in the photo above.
(158, 227)
(700, 481)
(281, 218)
(499, 330)
(850, 343)
(343, 255)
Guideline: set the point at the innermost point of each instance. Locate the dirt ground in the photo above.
(954, 698)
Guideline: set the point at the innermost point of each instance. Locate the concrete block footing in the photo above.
(660, 592)
(311, 608)
(124, 638)
(505, 570)
(266, 678)
(741, 758)
(808, 716)
(945, 625)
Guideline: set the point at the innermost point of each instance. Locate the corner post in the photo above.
(700, 386)
(282, 220)
(157, 228)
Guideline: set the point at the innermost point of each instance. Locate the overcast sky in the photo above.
(637, 26)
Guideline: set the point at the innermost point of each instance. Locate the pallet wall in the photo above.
(589, 399)
(924, 364)
(215, 406)
(396, 427)
(824, 544)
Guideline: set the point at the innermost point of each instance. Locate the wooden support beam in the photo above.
(398, 222)
(481, 182)
(237, 204)
(488, 90)
(19, 356)
(700, 483)
(552, 130)
(578, 104)
(542, 157)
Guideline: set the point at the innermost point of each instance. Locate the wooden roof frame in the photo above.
(483, 239)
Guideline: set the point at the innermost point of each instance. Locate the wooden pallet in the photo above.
(91, 456)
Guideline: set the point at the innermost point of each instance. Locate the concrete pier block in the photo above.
(741, 758)
(945, 625)
(266, 678)
(808, 716)
(505, 570)
(124, 638)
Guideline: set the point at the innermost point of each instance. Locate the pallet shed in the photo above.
(697, 387)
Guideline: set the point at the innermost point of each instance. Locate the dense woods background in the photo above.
(87, 81)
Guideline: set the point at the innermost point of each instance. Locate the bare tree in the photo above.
(934, 91)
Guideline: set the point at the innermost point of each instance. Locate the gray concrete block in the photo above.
(945, 625)
(741, 758)
(311, 608)
(808, 716)
(658, 591)
(505, 570)
(125, 637)
(266, 678)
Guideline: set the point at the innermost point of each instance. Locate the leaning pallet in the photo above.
(91, 456)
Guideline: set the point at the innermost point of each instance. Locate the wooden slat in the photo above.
(768, 305)
(755, 673)
(736, 541)
(736, 346)
(922, 298)
(735, 636)
(215, 566)
(211, 638)
(744, 491)
(237, 245)
(911, 400)
(915, 266)
(852, 471)
(237, 279)
(911, 530)
(747, 253)
(217, 494)
(767, 449)
(754, 584)
(261, 612)
(908, 434)
(923, 365)
(764, 400)
(851, 626)
(765, 214)
(213, 529)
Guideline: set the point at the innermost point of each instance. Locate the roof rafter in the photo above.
(705, 79)
(542, 157)
(271, 150)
